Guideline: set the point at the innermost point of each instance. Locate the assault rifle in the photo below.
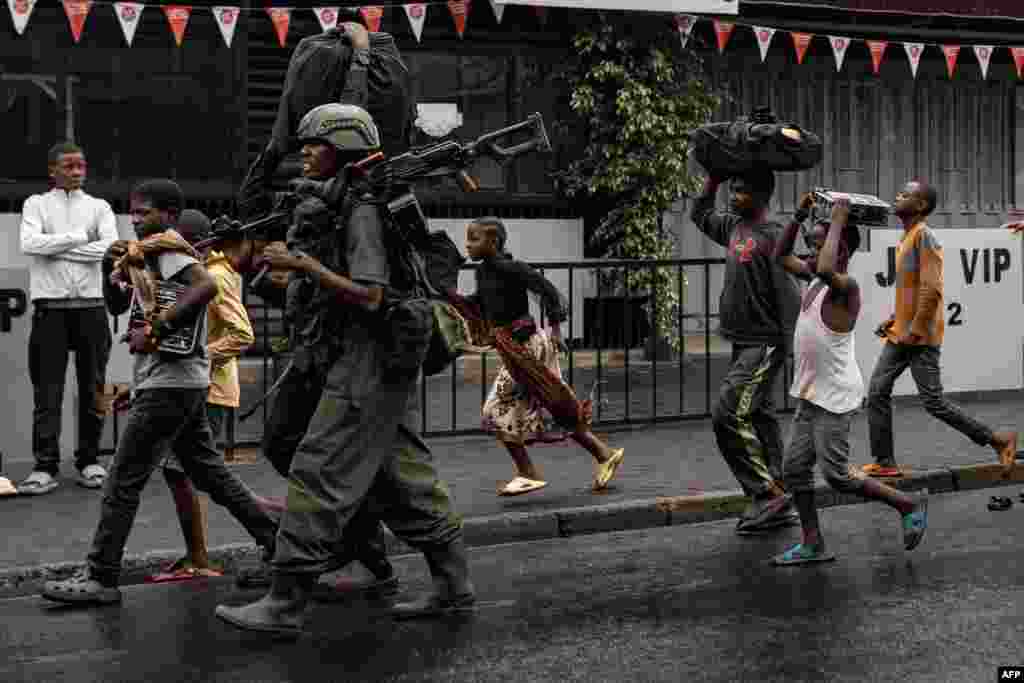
(391, 179)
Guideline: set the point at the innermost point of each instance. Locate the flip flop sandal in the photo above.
(999, 503)
(606, 471)
(7, 488)
(521, 485)
(801, 554)
(183, 574)
(882, 471)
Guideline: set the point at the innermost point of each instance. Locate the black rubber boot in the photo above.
(279, 611)
(453, 591)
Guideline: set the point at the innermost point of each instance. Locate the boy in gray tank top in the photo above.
(828, 385)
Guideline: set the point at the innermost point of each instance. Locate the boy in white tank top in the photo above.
(828, 385)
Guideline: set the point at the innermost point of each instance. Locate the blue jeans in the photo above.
(923, 362)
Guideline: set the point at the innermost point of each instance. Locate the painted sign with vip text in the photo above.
(983, 302)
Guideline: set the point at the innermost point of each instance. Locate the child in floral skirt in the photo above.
(529, 386)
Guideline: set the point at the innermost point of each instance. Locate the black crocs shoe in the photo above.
(1000, 503)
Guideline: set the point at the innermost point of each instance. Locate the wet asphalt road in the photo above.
(684, 604)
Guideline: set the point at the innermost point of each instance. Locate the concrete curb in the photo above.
(534, 526)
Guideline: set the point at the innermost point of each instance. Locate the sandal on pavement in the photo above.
(521, 485)
(7, 488)
(802, 554)
(38, 483)
(81, 589)
(1000, 503)
(182, 570)
(876, 470)
(604, 472)
(92, 476)
(914, 524)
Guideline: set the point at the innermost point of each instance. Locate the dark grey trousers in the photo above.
(55, 333)
(820, 436)
(158, 419)
(923, 362)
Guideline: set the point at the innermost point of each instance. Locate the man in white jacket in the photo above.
(65, 233)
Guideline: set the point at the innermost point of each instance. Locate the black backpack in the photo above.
(420, 329)
(757, 142)
(316, 75)
(432, 265)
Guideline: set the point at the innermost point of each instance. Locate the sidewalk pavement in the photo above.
(672, 474)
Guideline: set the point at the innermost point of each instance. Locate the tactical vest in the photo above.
(317, 322)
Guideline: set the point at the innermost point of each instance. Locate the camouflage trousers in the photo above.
(361, 446)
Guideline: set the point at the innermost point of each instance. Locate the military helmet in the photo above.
(347, 127)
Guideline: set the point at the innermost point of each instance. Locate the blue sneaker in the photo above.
(802, 554)
(914, 524)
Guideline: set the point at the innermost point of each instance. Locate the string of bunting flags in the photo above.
(227, 16)
(801, 41)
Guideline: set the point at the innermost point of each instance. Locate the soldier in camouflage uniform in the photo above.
(361, 443)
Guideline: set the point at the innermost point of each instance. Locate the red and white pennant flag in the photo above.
(840, 44)
(77, 12)
(723, 30)
(417, 14)
(764, 36)
(227, 21)
(877, 48)
(684, 24)
(372, 15)
(914, 52)
(281, 17)
(21, 10)
(128, 15)
(984, 55)
(951, 52)
(460, 13)
(177, 17)
(1018, 60)
(327, 16)
(801, 41)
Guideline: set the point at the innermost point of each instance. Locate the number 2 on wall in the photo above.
(955, 310)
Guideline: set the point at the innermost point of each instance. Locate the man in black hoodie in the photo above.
(757, 313)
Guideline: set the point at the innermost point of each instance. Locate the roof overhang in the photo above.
(968, 9)
(689, 6)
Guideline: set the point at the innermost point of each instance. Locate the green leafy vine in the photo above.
(635, 95)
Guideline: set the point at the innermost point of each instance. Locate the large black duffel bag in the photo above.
(756, 142)
(316, 75)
